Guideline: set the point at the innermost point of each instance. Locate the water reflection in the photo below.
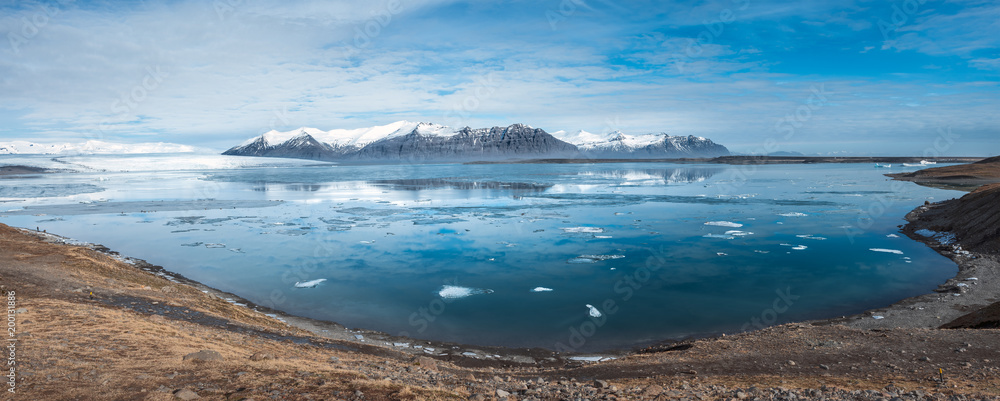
(423, 184)
(655, 176)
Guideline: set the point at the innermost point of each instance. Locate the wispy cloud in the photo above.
(205, 74)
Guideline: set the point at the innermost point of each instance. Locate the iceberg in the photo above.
(724, 224)
(593, 258)
(738, 233)
(895, 251)
(593, 311)
(309, 284)
(455, 292)
(792, 214)
(540, 289)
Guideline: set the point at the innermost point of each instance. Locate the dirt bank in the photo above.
(93, 327)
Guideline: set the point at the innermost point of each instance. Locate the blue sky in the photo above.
(830, 77)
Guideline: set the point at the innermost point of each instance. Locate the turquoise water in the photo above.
(454, 252)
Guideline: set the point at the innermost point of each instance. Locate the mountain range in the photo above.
(406, 141)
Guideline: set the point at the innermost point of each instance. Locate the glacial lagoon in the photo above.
(584, 257)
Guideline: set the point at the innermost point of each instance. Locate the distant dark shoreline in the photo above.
(749, 160)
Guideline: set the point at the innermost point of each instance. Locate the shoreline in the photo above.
(925, 311)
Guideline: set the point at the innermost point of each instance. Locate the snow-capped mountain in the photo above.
(90, 147)
(617, 144)
(412, 141)
(407, 141)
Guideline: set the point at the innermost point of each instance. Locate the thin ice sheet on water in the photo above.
(455, 291)
(593, 258)
(309, 284)
(895, 251)
(582, 229)
(723, 224)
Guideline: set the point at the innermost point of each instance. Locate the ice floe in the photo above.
(593, 258)
(455, 292)
(591, 358)
(723, 224)
(895, 251)
(309, 284)
(582, 229)
(593, 311)
(722, 254)
(799, 248)
(792, 214)
(810, 236)
(215, 245)
(738, 233)
(892, 236)
(720, 236)
(540, 289)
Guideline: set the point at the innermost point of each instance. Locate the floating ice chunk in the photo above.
(194, 244)
(540, 289)
(367, 242)
(895, 251)
(455, 292)
(722, 254)
(878, 317)
(810, 236)
(760, 251)
(799, 248)
(593, 258)
(593, 311)
(720, 236)
(723, 224)
(582, 229)
(309, 284)
(215, 245)
(892, 236)
(792, 214)
(738, 233)
(602, 236)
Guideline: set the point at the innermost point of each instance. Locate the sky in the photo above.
(914, 77)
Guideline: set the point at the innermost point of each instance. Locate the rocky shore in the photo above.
(89, 324)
